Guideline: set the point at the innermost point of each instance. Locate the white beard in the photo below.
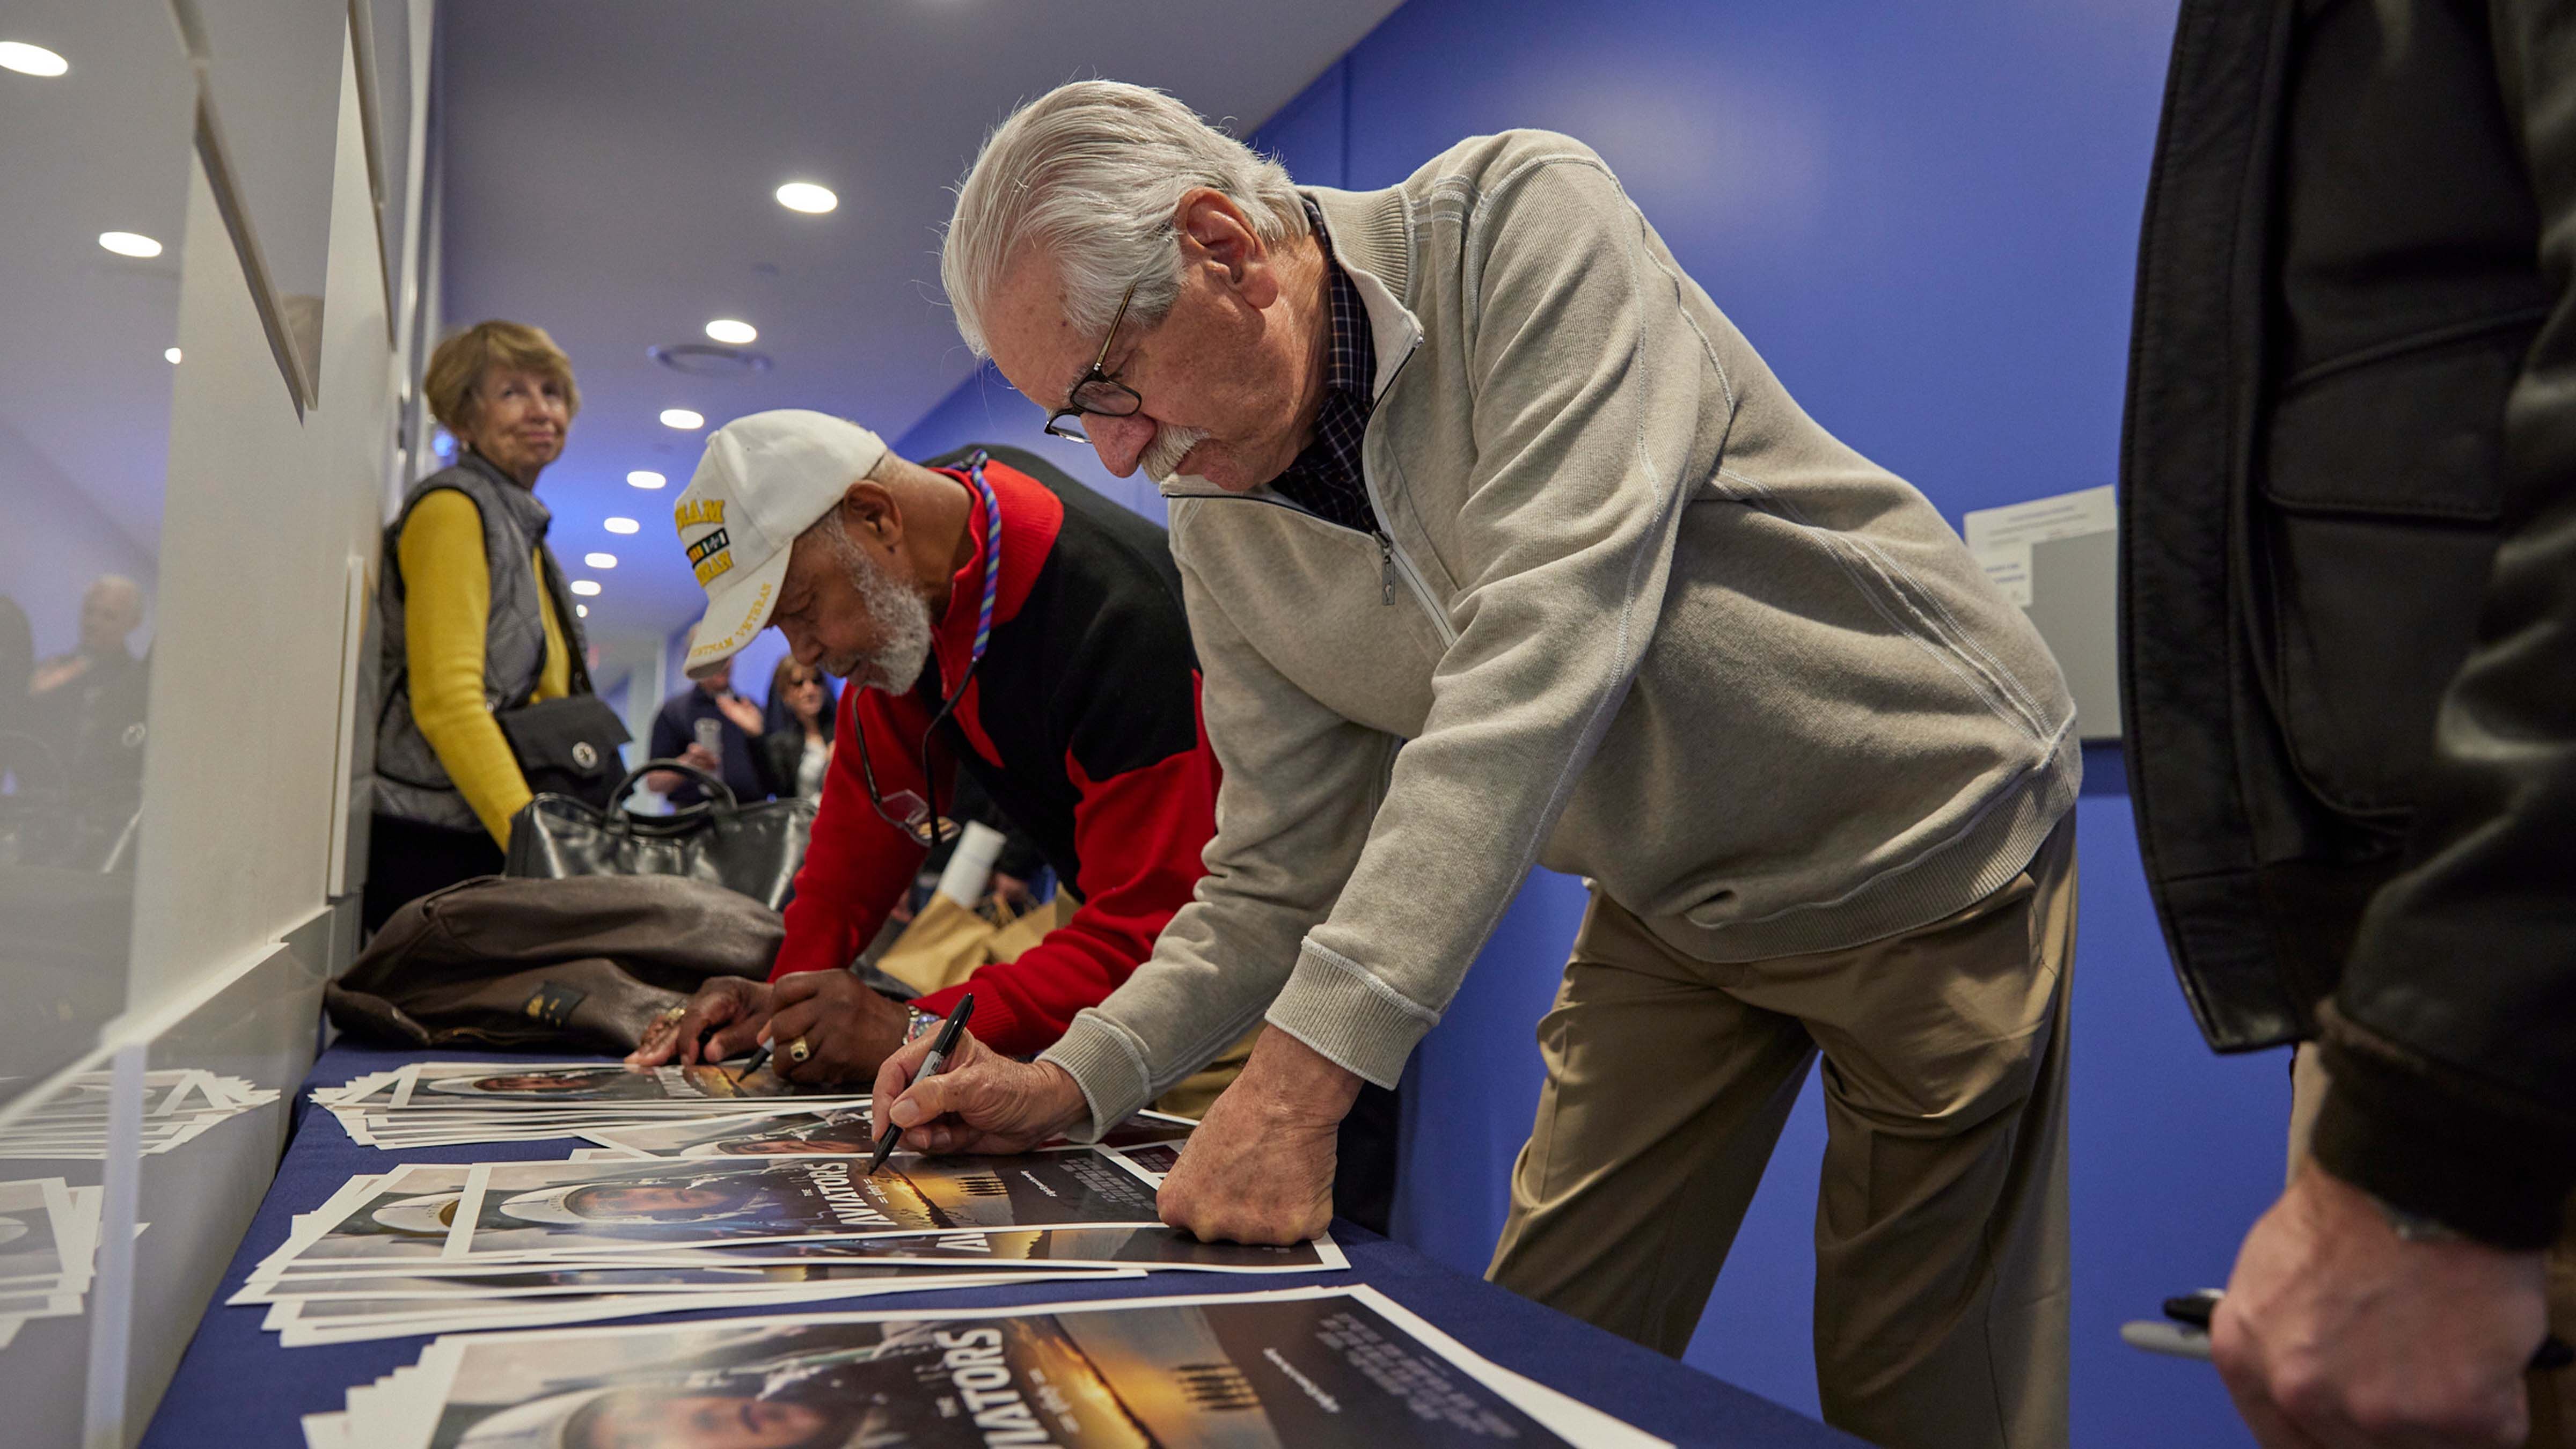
(901, 619)
(1163, 456)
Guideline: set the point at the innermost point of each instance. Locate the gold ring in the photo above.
(798, 1051)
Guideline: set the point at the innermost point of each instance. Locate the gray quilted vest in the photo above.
(410, 781)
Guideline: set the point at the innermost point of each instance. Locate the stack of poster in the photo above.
(178, 1106)
(759, 1213)
(1319, 1368)
(437, 1104)
(802, 1130)
(48, 1246)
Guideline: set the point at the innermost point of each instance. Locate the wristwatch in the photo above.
(918, 1022)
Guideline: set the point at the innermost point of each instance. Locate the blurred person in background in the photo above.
(477, 617)
(84, 728)
(111, 610)
(17, 668)
(795, 745)
(709, 726)
(79, 702)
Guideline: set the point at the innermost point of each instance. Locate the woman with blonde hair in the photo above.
(480, 632)
(796, 743)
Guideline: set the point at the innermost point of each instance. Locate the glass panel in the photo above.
(220, 1088)
(385, 70)
(273, 83)
(97, 162)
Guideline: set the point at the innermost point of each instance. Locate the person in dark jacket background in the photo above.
(795, 744)
(2349, 620)
(17, 666)
(715, 729)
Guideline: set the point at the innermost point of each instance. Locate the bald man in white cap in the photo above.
(1057, 670)
(991, 616)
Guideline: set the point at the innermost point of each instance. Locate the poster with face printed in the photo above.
(1315, 1369)
(550, 1208)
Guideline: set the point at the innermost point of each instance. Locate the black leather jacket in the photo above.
(2348, 559)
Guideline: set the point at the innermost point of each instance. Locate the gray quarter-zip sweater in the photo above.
(1627, 612)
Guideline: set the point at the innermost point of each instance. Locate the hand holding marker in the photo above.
(930, 1066)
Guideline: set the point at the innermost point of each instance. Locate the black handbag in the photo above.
(567, 746)
(751, 849)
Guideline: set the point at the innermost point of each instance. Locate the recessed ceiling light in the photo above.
(645, 478)
(805, 196)
(709, 359)
(582, 610)
(129, 244)
(727, 330)
(623, 525)
(170, 355)
(585, 587)
(600, 560)
(683, 419)
(27, 59)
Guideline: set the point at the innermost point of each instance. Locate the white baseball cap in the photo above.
(765, 479)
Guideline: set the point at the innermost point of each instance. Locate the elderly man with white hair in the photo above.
(85, 709)
(1502, 547)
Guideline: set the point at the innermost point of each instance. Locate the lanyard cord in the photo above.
(992, 591)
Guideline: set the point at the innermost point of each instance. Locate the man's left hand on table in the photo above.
(1259, 1169)
(720, 1021)
(847, 1028)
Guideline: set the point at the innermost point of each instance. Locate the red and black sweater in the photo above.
(1081, 723)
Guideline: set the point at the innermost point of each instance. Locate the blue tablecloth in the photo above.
(236, 1386)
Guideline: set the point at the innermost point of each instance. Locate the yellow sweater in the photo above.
(448, 607)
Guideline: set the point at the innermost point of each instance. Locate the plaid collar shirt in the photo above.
(1325, 478)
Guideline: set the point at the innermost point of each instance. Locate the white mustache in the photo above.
(1163, 456)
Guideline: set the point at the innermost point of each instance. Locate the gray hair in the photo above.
(1092, 172)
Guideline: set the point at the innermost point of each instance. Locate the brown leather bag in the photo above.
(582, 964)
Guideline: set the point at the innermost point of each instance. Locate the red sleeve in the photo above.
(858, 865)
(1141, 835)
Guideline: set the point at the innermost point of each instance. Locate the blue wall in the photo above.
(1925, 216)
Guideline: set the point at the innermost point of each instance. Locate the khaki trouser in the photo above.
(1941, 1237)
(2553, 1395)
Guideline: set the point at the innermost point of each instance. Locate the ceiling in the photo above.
(609, 174)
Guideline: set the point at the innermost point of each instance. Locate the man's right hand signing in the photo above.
(2338, 1334)
(981, 1101)
(723, 1020)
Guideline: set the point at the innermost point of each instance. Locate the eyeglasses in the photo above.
(1097, 394)
(903, 809)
